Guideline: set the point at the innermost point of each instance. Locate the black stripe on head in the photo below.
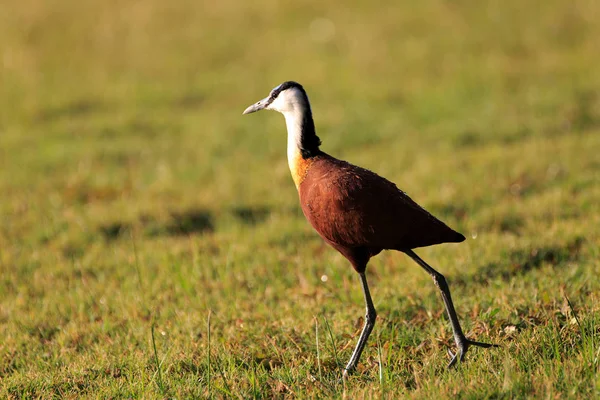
(309, 142)
(284, 86)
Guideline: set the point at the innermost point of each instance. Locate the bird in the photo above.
(358, 212)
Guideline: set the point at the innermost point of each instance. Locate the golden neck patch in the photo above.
(299, 167)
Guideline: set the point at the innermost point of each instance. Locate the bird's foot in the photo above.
(347, 373)
(463, 346)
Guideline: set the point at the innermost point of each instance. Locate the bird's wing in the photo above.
(355, 207)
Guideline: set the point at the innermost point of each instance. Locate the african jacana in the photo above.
(356, 211)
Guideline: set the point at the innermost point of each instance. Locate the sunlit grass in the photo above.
(152, 244)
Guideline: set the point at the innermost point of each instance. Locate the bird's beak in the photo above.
(257, 106)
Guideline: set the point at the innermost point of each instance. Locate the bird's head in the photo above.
(289, 97)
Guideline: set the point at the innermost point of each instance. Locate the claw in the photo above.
(345, 375)
(452, 358)
(452, 361)
(463, 346)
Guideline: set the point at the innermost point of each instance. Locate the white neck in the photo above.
(293, 121)
(293, 104)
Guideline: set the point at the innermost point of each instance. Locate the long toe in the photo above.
(481, 344)
(463, 347)
(452, 359)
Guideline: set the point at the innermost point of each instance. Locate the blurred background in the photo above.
(132, 188)
(142, 100)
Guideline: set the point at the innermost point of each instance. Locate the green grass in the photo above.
(151, 241)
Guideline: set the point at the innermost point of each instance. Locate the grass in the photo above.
(152, 244)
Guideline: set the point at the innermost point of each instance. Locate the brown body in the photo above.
(356, 211)
(360, 213)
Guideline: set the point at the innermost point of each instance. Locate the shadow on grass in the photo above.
(184, 223)
(251, 215)
(188, 222)
(113, 230)
(521, 262)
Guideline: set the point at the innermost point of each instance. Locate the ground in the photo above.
(152, 244)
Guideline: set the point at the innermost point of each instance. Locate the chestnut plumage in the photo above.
(356, 211)
(360, 213)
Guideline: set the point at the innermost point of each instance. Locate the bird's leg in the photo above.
(459, 337)
(367, 327)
